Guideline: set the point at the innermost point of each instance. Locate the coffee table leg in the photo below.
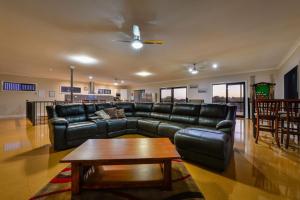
(75, 178)
(167, 182)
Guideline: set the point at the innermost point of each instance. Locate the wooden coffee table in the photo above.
(122, 163)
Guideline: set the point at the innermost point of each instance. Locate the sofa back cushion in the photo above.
(71, 112)
(51, 112)
(185, 113)
(127, 107)
(90, 109)
(143, 109)
(162, 111)
(102, 106)
(211, 114)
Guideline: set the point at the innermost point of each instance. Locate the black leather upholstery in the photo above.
(128, 108)
(169, 129)
(161, 111)
(81, 130)
(143, 109)
(102, 128)
(102, 106)
(185, 113)
(212, 114)
(51, 112)
(209, 143)
(90, 110)
(71, 112)
(116, 127)
(203, 133)
(148, 127)
(132, 122)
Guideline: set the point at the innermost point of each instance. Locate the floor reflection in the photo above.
(257, 171)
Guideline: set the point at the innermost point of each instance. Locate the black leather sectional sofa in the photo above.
(202, 133)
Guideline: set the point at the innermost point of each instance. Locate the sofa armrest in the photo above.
(91, 118)
(58, 121)
(224, 124)
(57, 132)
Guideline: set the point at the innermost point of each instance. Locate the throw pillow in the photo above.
(102, 114)
(112, 112)
(121, 113)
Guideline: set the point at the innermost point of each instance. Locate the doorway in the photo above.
(232, 93)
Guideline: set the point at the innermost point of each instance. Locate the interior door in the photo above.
(236, 96)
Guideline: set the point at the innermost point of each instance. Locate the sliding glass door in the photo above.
(166, 95)
(236, 96)
(173, 95)
(233, 93)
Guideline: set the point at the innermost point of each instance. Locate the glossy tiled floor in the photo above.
(257, 171)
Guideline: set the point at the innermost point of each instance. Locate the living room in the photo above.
(130, 99)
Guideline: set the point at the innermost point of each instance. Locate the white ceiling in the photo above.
(240, 35)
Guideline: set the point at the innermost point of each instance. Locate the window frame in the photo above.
(60, 89)
(243, 83)
(21, 83)
(172, 93)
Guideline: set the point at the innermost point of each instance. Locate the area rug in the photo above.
(183, 185)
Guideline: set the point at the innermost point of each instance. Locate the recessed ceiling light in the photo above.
(143, 73)
(122, 81)
(116, 83)
(215, 66)
(83, 59)
(90, 77)
(136, 44)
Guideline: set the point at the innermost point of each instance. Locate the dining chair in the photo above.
(267, 117)
(291, 120)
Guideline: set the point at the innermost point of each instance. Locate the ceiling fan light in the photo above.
(194, 71)
(215, 65)
(136, 44)
(190, 69)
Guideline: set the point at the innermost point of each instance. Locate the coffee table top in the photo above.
(123, 149)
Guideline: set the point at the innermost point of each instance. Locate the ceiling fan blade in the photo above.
(153, 42)
(128, 41)
(136, 32)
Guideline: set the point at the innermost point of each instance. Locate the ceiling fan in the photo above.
(195, 68)
(136, 41)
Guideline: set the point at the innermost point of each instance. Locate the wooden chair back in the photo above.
(267, 108)
(292, 108)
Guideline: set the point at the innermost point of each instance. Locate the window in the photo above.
(173, 95)
(12, 86)
(179, 95)
(166, 95)
(233, 93)
(104, 91)
(67, 89)
(219, 93)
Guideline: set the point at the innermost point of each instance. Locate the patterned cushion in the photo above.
(121, 113)
(102, 114)
(112, 112)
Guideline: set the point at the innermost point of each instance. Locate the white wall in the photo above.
(290, 63)
(12, 103)
(206, 84)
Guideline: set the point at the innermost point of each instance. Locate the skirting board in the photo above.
(11, 116)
